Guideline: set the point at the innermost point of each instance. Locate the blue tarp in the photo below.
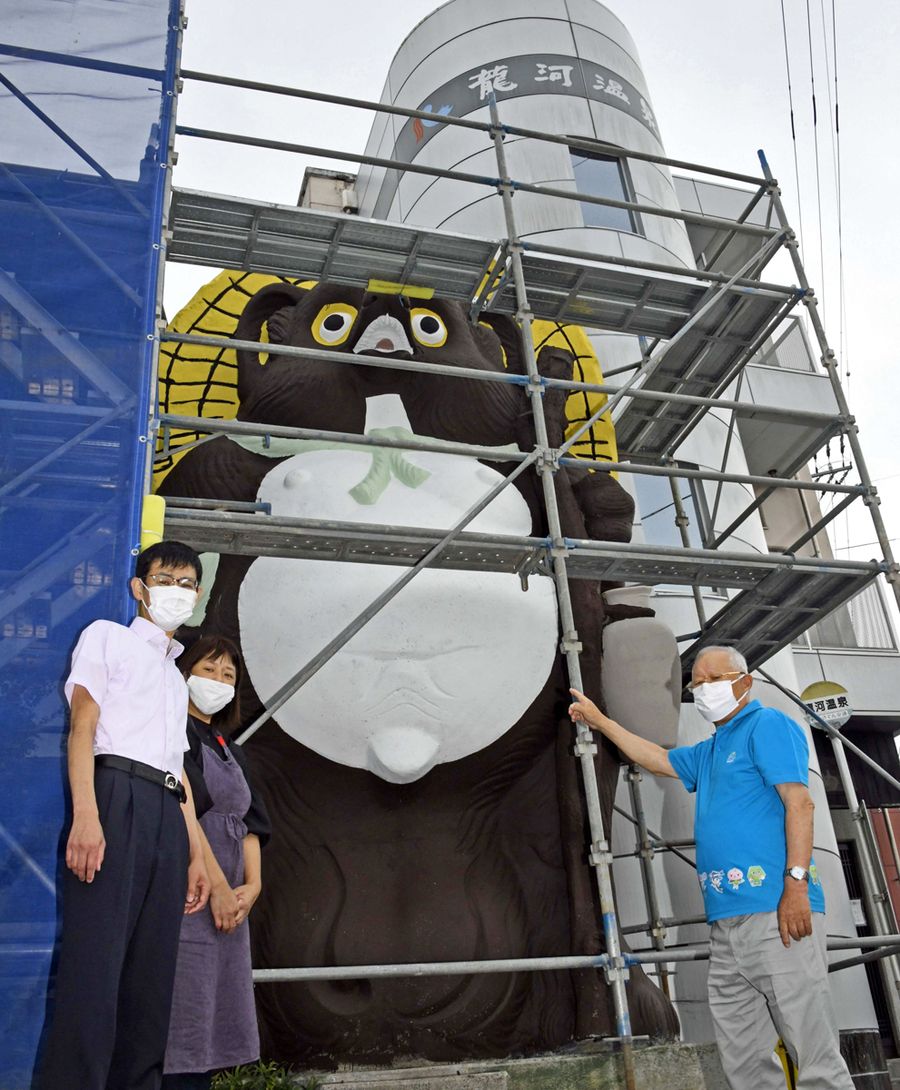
(84, 123)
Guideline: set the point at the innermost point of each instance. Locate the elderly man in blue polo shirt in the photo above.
(754, 831)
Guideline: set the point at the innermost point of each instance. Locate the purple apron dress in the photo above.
(213, 1020)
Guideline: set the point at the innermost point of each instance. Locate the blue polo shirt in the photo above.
(739, 817)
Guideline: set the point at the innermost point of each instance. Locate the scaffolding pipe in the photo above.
(300, 678)
(670, 845)
(169, 422)
(871, 497)
(878, 900)
(481, 126)
(682, 522)
(241, 427)
(72, 236)
(892, 840)
(769, 412)
(820, 525)
(754, 287)
(720, 249)
(517, 965)
(656, 927)
(755, 505)
(64, 448)
(737, 366)
(732, 425)
(836, 736)
(863, 959)
(474, 179)
(599, 853)
(73, 144)
(653, 363)
(667, 922)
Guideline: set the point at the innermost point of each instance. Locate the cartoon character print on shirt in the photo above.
(730, 759)
(438, 804)
(702, 878)
(716, 878)
(756, 876)
(735, 878)
(814, 874)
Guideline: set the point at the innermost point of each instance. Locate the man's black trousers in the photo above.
(119, 945)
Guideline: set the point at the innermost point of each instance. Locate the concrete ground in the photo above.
(588, 1066)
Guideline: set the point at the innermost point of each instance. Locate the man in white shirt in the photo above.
(133, 854)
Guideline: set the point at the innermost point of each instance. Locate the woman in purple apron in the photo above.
(213, 1023)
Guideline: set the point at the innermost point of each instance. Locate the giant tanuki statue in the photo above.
(425, 801)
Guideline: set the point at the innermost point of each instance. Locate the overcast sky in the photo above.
(717, 77)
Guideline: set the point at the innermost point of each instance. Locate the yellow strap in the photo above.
(386, 287)
(153, 516)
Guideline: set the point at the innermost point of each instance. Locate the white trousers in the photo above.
(760, 991)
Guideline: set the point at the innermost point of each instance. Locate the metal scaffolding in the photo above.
(702, 326)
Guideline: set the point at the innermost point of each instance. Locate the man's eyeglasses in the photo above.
(163, 579)
(730, 675)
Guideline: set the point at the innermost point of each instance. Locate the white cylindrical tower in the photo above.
(570, 70)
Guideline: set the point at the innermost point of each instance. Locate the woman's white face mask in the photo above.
(715, 700)
(207, 695)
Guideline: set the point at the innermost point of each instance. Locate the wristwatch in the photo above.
(797, 873)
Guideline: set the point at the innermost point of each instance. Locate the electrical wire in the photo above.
(864, 545)
(812, 80)
(787, 64)
(844, 349)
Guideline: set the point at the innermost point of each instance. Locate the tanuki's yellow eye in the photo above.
(428, 327)
(333, 323)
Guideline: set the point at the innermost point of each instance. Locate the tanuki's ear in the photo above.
(507, 329)
(273, 307)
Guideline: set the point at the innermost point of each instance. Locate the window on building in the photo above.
(604, 176)
(657, 511)
(656, 507)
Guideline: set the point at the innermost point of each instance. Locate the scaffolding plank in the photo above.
(702, 363)
(772, 615)
(229, 232)
(781, 596)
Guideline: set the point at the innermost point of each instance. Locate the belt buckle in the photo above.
(171, 782)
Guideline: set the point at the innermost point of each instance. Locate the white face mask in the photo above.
(207, 695)
(170, 606)
(715, 700)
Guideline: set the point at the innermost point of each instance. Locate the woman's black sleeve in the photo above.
(193, 769)
(257, 817)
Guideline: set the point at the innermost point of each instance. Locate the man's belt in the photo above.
(144, 772)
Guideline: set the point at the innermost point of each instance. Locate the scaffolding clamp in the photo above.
(599, 854)
(616, 968)
(548, 460)
(535, 386)
(870, 496)
(584, 747)
(658, 931)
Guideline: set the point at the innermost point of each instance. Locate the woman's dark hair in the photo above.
(169, 553)
(215, 647)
